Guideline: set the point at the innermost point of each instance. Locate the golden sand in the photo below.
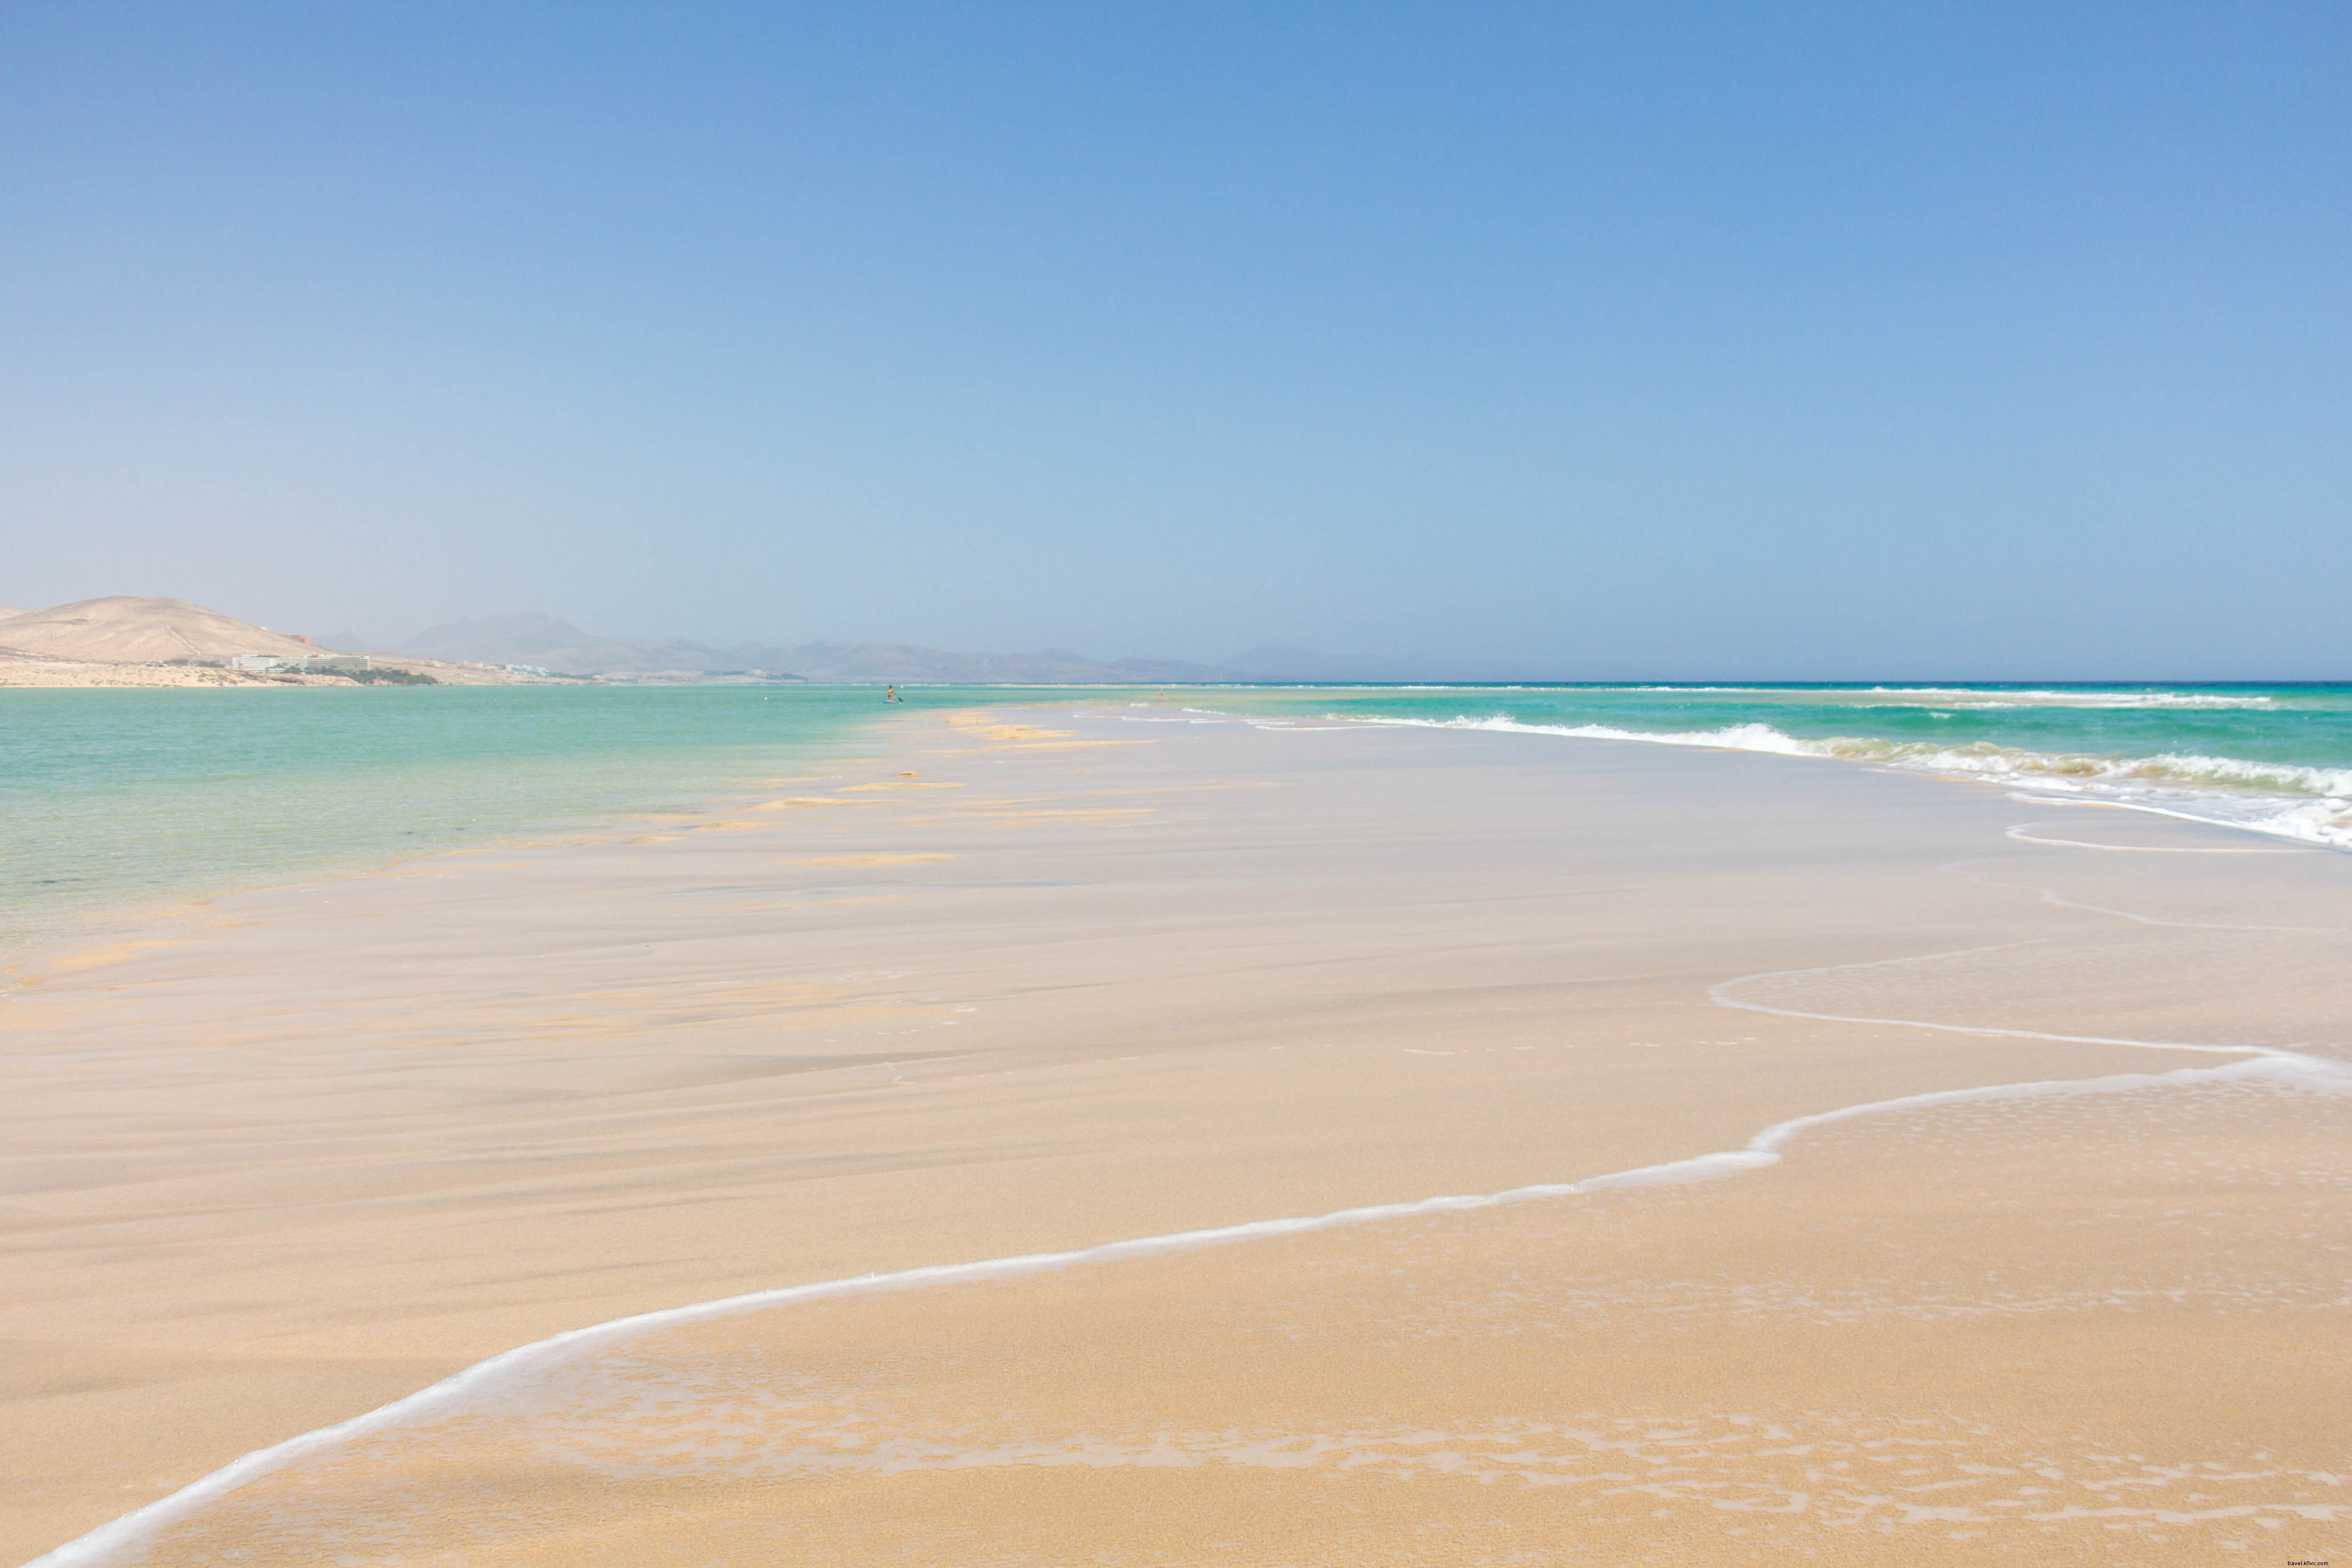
(339, 1142)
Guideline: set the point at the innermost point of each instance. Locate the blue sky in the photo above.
(1805, 341)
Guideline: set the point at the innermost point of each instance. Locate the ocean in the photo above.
(2273, 760)
(641, 1149)
(121, 802)
(117, 802)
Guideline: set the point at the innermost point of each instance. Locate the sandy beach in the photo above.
(125, 641)
(22, 670)
(1029, 982)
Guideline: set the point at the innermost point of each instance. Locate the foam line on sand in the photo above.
(111, 1542)
(2020, 835)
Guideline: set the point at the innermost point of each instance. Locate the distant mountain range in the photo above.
(551, 643)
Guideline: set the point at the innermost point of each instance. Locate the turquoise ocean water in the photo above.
(115, 801)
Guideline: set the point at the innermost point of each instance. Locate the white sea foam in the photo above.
(1967, 697)
(2020, 834)
(1752, 737)
(1981, 697)
(2281, 798)
(127, 1538)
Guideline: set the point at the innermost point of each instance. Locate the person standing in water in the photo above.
(890, 695)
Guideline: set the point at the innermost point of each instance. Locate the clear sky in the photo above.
(1803, 341)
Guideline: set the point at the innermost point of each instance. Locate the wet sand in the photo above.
(313, 1149)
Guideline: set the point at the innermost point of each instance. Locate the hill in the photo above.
(124, 631)
(854, 661)
(128, 631)
(550, 641)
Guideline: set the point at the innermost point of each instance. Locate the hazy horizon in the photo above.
(1256, 663)
(1684, 344)
(1532, 670)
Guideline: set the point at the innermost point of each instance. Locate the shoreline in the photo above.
(121, 809)
(888, 845)
(2057, 779)
(137, 1529)
(25, 672)
(2312, 817)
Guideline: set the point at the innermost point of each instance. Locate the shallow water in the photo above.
(606, 1437)
(113, 802)
(116, 800)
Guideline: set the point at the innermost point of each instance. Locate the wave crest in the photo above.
(2289, 799)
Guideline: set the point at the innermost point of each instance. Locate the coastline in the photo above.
(117, 805)
(33, 673)
(2273, 760)
(1231, 911)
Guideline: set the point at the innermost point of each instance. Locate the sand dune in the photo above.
(125, 629)
(121, 640)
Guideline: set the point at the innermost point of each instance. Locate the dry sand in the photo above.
(993, 989)
(123, 640)
(124, 629)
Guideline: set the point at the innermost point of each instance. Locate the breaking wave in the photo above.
(2286, 799)
(1979, 698)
